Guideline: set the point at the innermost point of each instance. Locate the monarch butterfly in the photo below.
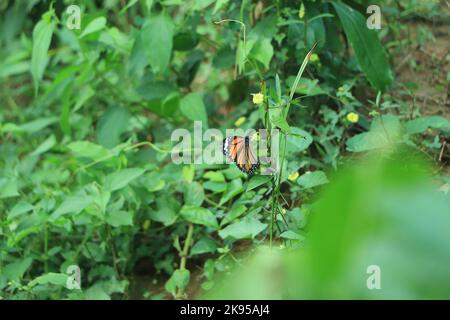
(238, 149)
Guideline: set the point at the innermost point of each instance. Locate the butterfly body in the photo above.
(239, 150)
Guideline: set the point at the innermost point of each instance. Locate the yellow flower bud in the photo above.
(240, 121)
(314, 58)
(258, 98)
(293, 176)
(353, 117)
(301, 12)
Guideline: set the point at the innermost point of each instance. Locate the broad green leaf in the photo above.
(235, 212)
(291, 235)
(204, 245)
(22, 234)
(384, 131)
(280, 122)
(178, 280)
(14, 271)
(97, 292)
(199, 215)
(233, 189)
(257, 180)
(152, 181)
(95, 25)
(86, 149)
(8, 187)
(298, 140)
(421, 124)
(215, 186)
(247, 228)
(111, 125)
(367, 46)
(59, 279)
(120, 179)
(72, 204)
(166, 211)
(158, 33)
(193, 108)
(215, 176)
(38, 124)
(312, 179)
(119, 218)
(262, 51)
(188, 173)
(202, 4)
(42, 36)
(306, 86)
(194, 194)
(44, 146)
(20, 208)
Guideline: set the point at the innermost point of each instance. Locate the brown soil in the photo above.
(430, 75)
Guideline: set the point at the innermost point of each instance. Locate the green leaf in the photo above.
(38, 124)
(291, 235)
(44, 146)
(42, 37)
(262, 51)
(204, 245)
(8, 187)
(384, 131)
(158, 34)
(298, 140)
(178, 280)
(166, 211)
(421, 124)
(86, 149)
(247, 228)
(20, 208)
(120, 179)
(257, 181)
(306, 86)
(280, 122)
(59, 279)
(14, 271)
(199, 215)
(215, 176)
(193, 108)
(95, 25)
(119, 218)
(194, 194)
(235, 212)
(312, 179)
(233, 189)
(368, 49)
(72, 204)
(215, 186)
(111, 125)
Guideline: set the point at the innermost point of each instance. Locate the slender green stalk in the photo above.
(46, 248)
(184, 254)
(276, 184)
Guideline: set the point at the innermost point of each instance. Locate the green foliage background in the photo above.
(86, 115)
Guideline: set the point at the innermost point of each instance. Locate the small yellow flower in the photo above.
(240, 121)
(293, 176)
(301, 12)
(353, 117)
(258, 98)
(314, 58)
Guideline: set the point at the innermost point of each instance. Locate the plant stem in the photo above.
(46, 248)
(183, 254)
(187, 244)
